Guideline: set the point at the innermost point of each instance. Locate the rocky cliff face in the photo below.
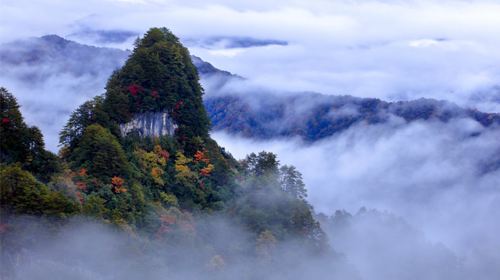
(150, 124)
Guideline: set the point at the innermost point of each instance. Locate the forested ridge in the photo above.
(155, 188)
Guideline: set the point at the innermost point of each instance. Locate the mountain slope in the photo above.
(313, 117)
(257, 114)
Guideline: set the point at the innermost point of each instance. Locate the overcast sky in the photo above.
(392, 49)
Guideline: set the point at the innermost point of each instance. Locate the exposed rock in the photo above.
(150, 124)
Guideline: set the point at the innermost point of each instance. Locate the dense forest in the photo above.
(160, 190)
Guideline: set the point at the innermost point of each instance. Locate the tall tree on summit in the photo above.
(160, 77)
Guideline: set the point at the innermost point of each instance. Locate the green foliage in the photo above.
(21, 193)
(291, 182)
(169, 200)
(95, 206)
(88, 113)
(272, 199)
(22, 144)
(263, 168)
(159, 76)
(13, 146)
(100, 153)
(266, 244)
(151, 184)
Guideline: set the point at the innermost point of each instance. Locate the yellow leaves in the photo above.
(154, 162)
(182, 159)
(182, 168)
(184, 173)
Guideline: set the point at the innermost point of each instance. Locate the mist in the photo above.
(436, 177)
(430, 190)
(86, 249)
(394, 50)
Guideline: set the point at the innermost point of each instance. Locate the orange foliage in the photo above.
(81, 186)
(200, 156)
(156, 172)
(207, 170)
(168, 219)
(117, 181)
(187, 226)
(79, 196)
(82, 172)
(120, 189)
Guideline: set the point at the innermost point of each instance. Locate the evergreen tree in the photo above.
(100, 153)
(160, 77)
(291, 182)
(21, 193)
(22, 144)
(88, 113)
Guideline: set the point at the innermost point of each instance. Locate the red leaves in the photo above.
(198, 156)
(155, 94)
(134, 89)
(79, 196)
(5, 120)
(164, 154)
(161, 152)
(81, 186)
(177, 107)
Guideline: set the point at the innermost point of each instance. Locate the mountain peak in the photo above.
(159, 76)
(55, 40)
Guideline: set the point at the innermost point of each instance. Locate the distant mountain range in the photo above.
(314, 116)
(260, 115)
(34, 60)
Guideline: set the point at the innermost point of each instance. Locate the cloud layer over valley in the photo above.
(434, 182)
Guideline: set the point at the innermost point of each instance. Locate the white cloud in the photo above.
(386, 49)
(430, 173)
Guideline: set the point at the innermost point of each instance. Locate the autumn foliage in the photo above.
(134, 89)
(117, 183)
